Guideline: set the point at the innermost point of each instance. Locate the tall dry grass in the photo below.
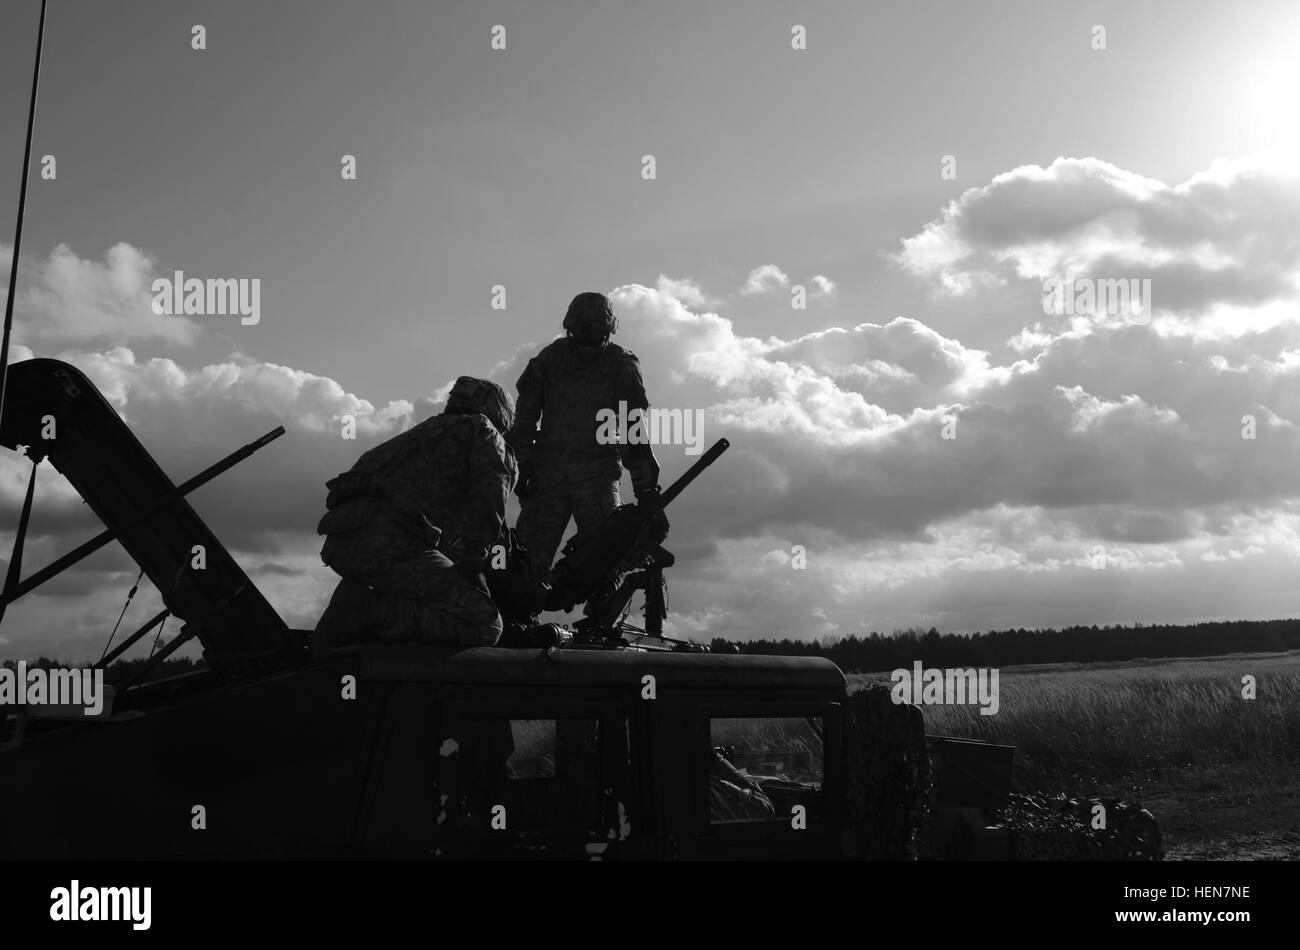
(1124, 728)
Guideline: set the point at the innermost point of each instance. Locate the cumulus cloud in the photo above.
(1227, 236)
(1128, 437)
(309, 402)
(764, 278)
(1005, 567)
(825, 286)
(69, 300)
(684, 289)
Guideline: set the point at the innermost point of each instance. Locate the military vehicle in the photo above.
(617, 742)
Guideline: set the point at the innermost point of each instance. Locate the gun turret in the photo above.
(629, 539)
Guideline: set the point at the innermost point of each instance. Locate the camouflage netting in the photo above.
(1061, 829)
(888, 775)
(889, 784)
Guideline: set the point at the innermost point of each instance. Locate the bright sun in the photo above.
(1270, 99)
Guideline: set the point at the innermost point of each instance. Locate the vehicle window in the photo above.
(760, 767)
(546, 772)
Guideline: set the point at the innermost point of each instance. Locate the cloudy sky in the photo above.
(920, 169)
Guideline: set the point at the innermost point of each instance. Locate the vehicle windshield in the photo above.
(762, 767)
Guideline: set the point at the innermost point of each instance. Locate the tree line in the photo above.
(876, 652)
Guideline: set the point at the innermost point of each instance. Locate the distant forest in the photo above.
(884, 652)
(878, 652)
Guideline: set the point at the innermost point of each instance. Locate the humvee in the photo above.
(417, 751)
(616, 743)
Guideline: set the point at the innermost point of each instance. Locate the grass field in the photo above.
(1220, 772)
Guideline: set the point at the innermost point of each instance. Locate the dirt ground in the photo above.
(1260, 824)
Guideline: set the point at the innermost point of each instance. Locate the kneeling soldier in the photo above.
(411, 526)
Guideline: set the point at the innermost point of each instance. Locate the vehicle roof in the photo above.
(577, 667)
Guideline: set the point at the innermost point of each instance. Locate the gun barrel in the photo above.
(703, 462)
(141, 516)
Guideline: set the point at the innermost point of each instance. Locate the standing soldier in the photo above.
(411, 525)
(563, 469)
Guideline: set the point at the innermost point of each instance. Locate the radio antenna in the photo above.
(22, 207)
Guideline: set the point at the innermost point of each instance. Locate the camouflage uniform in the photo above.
(570, 473)
(407, 514)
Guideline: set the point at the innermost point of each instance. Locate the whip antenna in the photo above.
(22, 207)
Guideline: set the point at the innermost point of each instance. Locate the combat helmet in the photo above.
(590, 318)
(470, 395)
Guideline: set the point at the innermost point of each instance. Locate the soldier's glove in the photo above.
(526, 486)
(657, 525)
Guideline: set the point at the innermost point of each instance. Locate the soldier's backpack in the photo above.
(356, 496)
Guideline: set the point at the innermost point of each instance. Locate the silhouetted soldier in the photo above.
(410, 527)
(564, 471)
